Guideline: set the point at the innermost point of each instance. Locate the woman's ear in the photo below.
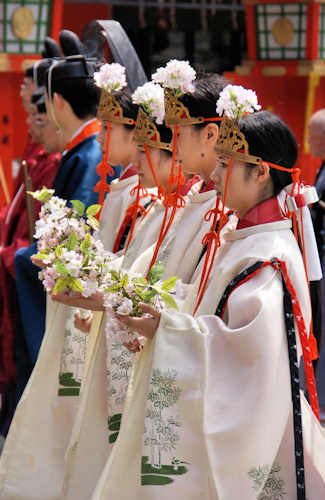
(262, 172)
(211, 133)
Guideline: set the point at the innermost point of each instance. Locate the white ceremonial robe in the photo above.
(108, 370)
(208, 414)
(32, 462)
(182, 246)
(115, 205)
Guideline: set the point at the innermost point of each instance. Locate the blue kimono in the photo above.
(75, 180)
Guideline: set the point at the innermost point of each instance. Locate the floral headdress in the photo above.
(233, 103)
(150, 98)
(111, 79)
(177, 79)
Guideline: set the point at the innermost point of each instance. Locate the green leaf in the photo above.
(169, 301)
(93, 210)
(139, 291)
(169, 284)
(42, 195)
(94, 223)
(72, 241)
(85, 261)
(85, 244)
(75, 284)
(58, 251)
(115, 275)
(113, 288)
(157, 289)
(124, 281)
(40, 255)
(60, 267)
(148, 295)
(60, 285)
(140, 281)
(78, 206)
(156, 272)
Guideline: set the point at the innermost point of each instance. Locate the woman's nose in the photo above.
(135, 158)
(215, 176)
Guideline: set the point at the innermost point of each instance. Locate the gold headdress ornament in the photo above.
(233, 103)
(110, 110)
(146, 132)
(177, 79)
(231, 142)
(176, 113)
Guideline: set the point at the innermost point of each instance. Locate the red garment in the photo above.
(42, 168)
(31, 151)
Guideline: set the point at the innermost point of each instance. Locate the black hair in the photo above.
(166, 134)
(29, 72)
(81, 93)
(130, 110)
(203, 101)
(269, 138)
(41, 71)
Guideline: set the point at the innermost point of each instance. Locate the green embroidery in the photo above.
(114, 424)
(161, 430)
(71, 387)
(266, 477)
(72, 358)
(118, 373)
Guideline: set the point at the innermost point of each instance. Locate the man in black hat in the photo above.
(72, 100)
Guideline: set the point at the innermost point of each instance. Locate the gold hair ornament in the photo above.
(231, 142)
(176, 113)
(146, 132)
(110, 110)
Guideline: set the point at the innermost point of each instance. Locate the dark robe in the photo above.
(42, 168)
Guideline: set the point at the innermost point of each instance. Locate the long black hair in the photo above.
(271, 139)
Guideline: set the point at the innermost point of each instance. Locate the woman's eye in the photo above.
(222, 164)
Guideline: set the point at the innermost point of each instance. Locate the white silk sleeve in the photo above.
(246, 382)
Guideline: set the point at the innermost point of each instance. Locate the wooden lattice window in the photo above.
(23, 25)
(281, 30)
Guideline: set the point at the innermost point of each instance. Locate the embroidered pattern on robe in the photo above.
(72, 358)
(161, 432)
(274, 486)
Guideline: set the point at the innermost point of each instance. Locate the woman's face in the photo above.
(195, 149)
(242, 191)
(161, 163)
(121, 144)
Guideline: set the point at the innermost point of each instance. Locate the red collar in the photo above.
(128, 172)
(207, 187)
(266, 211)
(93, 127)
(188, 184)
